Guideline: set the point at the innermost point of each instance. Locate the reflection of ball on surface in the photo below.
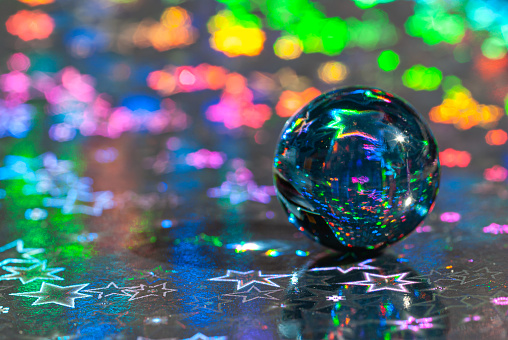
(356, 168)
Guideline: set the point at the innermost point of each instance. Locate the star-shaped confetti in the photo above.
(377, 282)
(60, 295)
(212, 304)
(112, 289)
(37, 271)
(15, 252)
(244, 279)
(201, 336)
(323, 299)
(254, 293)
(360, 266)
(151, 290)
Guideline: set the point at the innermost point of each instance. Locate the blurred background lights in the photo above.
(18, 62)
(435, 25)
(363, 4)
(332, 72)
(419, 78)
(497, 173)
(30, 25)
(450, 217)
(234, 36)
(496, 137)
(291, 101)
(166, 224)
(388, 60)
(36, 2)
(288, 47)
(494, 48)
(463, 111)
(452, 158)
(173, 30)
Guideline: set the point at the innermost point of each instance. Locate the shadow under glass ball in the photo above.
(356, 169)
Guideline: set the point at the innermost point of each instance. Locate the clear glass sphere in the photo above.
(356, 168)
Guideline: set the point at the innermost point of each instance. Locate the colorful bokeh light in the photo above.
(496, 137)
(421, 78)
(388, 60)
(235, 37)
(454, 158)
(30, 25)
(291, 101)
(462, 110)
(332, 72)
(288, 47)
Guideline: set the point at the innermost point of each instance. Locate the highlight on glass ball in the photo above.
(356, 169)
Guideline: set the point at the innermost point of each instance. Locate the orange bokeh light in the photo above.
(496, 137)
(462, 110)
(291, 101)
(30, 25)
(174, 30)
(36, 2)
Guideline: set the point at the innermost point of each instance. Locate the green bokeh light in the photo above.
(388, 60)
(494, 48)
(435, 25)
(419, 78)
(364, 4)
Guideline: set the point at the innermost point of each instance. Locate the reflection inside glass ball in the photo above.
(357, 168)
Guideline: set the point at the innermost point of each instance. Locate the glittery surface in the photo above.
(136, 156)
(356, 168)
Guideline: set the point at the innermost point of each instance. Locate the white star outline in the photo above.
(17, 271)
(371, 282)
(45, 299)
(143, 288)
(201, 336)
(361, 266)
(26, 253)
(125, 290)
(267, 278)
(262, 294)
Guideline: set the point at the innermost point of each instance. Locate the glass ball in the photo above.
(356, 169)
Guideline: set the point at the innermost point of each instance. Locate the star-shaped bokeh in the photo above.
(16, 253)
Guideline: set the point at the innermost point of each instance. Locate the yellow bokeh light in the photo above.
(288, 47)
(462, 110)
(237, 40)
(332, 72)
(234, 37)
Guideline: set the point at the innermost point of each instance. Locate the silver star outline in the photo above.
(375, 282)
(122, 289)
(364, 265)
(264, 279)
(144, 288)
(247, 296)
(45, 273)
(65, 295)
